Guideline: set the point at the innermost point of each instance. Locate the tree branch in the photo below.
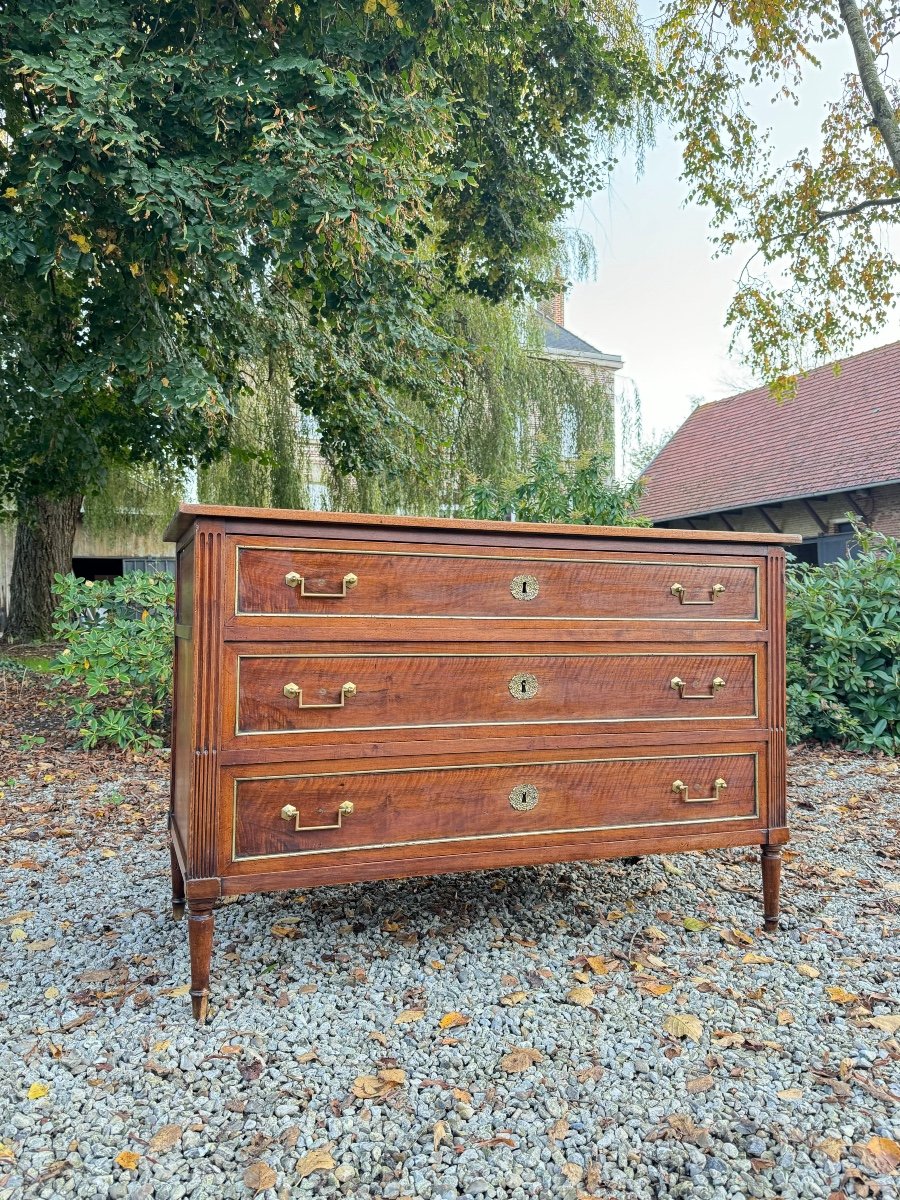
(827, 214)
(877, 97)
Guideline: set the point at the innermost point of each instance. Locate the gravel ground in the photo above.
(576, 1031)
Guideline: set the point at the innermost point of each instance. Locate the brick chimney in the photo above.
(554, 307)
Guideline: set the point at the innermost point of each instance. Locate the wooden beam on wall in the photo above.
(728, 525)
(856, 506)
(815, 516)
(768, 520)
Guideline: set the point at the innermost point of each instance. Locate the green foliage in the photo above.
(118, 652)
(188, 189)
(843, 648)
(583, 492)
(817, 215)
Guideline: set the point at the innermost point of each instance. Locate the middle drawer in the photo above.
(279, 699)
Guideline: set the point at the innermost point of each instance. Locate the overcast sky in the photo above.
(659, 299)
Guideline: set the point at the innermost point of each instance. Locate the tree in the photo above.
(189, 189)
(823, 272)
(579, 492)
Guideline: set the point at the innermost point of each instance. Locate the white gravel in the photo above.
(615, 1107)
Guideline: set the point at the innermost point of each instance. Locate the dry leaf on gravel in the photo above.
(840, 995)
(758, 959)
(371, 1087)
(807, 971)
(512, 998)
(832, 1148)
(785, 1017)
(695, 925)
(600, 965)
(582, 996)
(259, 1176)
(127, 1160)
(701, 1084)
(37, 1091)
(451, 1020)
(409, 1015)
(683, 1025)
(653, 988)
(880, 1154)
(520, 1058)
(790, 1094)
(574, 1172)
(558, 1130)
(316, 1160)
(889, 1024)
(441, 1133)
(166, 1137)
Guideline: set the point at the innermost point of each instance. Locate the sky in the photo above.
(659, 298)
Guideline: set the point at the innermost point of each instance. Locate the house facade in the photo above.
(809, 465)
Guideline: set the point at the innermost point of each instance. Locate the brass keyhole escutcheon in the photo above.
(523, 797)
(523, 686)
(524, 587)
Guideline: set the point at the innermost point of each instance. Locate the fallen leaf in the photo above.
(18, 935)
(441, 1133)
(316, 1160)
(308, 1055)
(127, 1160)
(808, 971)
(17, 918)
(512, 998)
(582, 996)
(653, 988)
(790, 1094)
(7, 1154)
(694, 924)
(757, 959)
(832, 1148)
(683, 1025)
(371, 1087)
(840, 995)
(520, 1058)
(37, 1091)
(558, 1130)
(52, 993)
(881, 1154)
(736, 937)
(600, 965)
(701, 1084)
(451, 1020)
(166, 1137)
(409, 1015)
(393, 1075)
(183, 990)
(574, 1172)
(259, 1176)
(889, 1023)
(785, 1017)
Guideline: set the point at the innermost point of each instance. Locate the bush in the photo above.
(843, 648)
(118, 639)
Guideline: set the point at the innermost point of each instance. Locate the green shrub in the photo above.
(843, 648)
(118, 651)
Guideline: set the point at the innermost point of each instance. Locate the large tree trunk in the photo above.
(44, 537)
(870, 77)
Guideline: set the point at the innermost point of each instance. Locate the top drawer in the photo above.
(287, 582)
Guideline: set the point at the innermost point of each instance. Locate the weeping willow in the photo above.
(135, 500)
(505, 397)
(274, 451)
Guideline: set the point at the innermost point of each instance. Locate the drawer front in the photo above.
(282, 698)
(294, 581)
(283, 818)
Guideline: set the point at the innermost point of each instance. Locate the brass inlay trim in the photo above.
(249, 733)
(637, 562)
(478, 837)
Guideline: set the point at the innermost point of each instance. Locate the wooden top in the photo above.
(188, 513)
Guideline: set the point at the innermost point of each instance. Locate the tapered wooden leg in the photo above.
(177, 887)
(771, 873)
(200, 940)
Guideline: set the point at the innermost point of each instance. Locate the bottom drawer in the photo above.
(389, 813)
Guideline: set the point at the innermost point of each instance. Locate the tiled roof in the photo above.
(840, 431)
(561, 341)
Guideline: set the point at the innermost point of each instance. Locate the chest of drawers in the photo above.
(363, 697)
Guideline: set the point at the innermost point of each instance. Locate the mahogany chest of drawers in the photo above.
(362, 697)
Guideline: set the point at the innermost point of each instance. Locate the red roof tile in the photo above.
(840, 431)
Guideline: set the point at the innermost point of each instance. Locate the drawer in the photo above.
(285, 815)
(290, 698)
(293, 580)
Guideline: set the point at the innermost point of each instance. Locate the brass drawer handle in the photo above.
(291, 690)
(720, 785)
(290, 813)
(679, 685)
(292, 579)
(677, 589)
